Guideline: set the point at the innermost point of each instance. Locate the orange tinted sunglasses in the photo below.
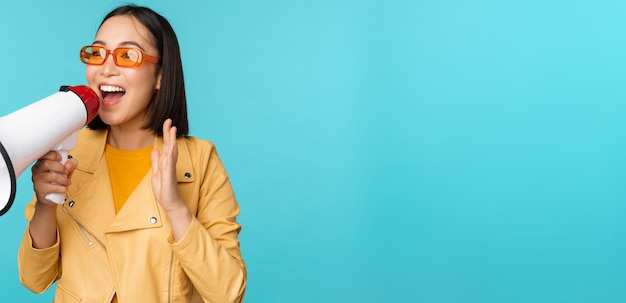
(122, 56)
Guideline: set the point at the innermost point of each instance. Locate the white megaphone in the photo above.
(49, 124)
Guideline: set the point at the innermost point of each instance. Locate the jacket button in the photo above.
(153, 220)
(71, 203)
(187, 175)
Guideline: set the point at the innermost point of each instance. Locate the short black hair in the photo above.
(170, 101)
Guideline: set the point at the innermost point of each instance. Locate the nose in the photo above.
(108, 67)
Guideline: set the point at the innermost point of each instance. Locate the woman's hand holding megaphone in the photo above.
(50, 176)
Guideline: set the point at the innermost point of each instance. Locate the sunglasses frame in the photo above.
(142, 56)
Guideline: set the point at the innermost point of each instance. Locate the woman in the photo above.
(150, 215)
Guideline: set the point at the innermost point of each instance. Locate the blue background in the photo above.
(385, 151)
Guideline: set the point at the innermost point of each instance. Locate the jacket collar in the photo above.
(97, 142)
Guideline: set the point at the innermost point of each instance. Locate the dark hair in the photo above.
(170, 101)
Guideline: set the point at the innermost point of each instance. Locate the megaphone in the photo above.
(51, 123)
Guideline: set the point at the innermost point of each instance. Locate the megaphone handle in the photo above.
(63, 149)
(55, 197)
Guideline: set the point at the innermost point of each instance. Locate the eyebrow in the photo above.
(124, 43)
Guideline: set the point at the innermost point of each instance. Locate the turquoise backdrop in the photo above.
(385, 151)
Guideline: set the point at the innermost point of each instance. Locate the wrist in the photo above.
(180, 219)
(177, 209)
(45, 205)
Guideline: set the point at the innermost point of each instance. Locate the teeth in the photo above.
(111, 89)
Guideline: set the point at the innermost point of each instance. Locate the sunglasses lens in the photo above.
(123, 56)
(127, 57)
(92, 55)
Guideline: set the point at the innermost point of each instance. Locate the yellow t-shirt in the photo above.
(126, 169)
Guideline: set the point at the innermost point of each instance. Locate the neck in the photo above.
(130, 139)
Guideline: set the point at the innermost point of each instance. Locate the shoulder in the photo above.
(201, 153)
(196, 142)
(197, 147)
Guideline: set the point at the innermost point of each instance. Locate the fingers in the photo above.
(51, 155)
(170, 150)
(165, 159)
(50, 176)
(164, 165)
(169, 132)
(50, 162)
(48, 182)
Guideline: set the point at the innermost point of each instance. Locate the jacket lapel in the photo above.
(141, 210)
(90, 200)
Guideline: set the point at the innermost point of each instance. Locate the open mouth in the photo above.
(111, 92)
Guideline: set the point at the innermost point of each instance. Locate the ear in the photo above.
(158, 80)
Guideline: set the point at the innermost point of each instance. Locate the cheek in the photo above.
(144, 80)
(90, 73)
(90, 76)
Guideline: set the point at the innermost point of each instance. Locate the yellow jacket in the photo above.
(132, 253)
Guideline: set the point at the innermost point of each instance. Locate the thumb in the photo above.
(154, 159)
(70, 165)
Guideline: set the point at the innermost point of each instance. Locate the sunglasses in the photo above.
(122, 56)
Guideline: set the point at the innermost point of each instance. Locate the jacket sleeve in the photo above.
(38, 268)
(209, 251)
